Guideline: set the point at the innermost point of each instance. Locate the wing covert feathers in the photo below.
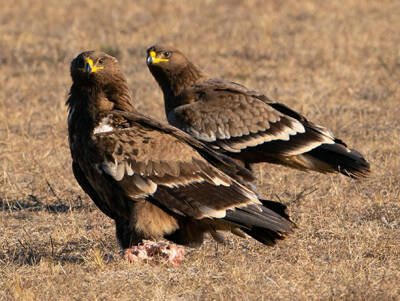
(181, 176)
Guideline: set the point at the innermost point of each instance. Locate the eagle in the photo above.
(154, 180)
(245, 124)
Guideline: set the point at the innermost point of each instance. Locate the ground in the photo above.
(337, 62)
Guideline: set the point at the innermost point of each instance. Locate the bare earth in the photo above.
(338, 62)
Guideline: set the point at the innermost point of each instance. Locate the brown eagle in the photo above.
(245, 124)
(154, 180)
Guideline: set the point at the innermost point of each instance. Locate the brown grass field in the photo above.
(338, 62)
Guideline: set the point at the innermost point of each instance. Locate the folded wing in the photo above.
(250, 127)
(174, 172)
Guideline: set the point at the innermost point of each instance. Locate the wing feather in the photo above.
(147, 162)
(229, 116)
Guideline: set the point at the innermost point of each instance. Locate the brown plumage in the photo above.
(153, 179)
(245, 124)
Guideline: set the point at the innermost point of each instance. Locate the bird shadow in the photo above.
(33, 204)
(33, 255)
(76, 252)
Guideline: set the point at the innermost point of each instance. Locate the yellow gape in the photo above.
(155, 59)
(90, 67)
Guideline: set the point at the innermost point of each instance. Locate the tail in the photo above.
(324, 158)
(336, 157)
(266, 223)
(332, 156)
(266, 236)
(277, 207)
(267, 226)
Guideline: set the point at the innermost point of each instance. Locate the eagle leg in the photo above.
(158, 252)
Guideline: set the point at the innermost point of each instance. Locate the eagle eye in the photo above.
(101, 61)
(167, 54)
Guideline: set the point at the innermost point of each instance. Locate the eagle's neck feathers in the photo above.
(174, 82)
(87, 102)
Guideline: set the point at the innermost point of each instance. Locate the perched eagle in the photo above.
(154, 180)
(245, 124)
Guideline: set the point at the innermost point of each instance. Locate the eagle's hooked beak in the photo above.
(153, 59)
(90, 67)
(149, 59)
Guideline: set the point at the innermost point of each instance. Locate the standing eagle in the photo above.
(245, 124)
(154, 180)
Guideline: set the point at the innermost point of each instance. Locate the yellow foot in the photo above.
(159, 252)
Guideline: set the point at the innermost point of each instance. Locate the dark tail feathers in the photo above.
(268, 226)
(346, 161)
(265, 236)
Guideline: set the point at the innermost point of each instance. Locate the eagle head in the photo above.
(93, 67)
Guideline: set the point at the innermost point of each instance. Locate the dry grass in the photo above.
(336, 61)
